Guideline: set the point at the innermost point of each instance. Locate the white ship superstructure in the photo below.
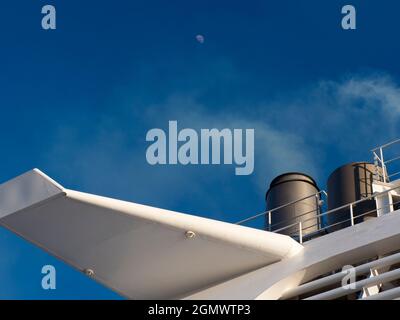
(144, 252)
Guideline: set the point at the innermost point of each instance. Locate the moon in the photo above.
(200, 38)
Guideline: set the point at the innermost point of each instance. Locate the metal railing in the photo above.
(352, 218)
(318, 195)
(381, 174)
(381, 163)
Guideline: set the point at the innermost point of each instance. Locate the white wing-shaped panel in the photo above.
(139, 251)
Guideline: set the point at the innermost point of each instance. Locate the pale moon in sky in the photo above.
(200, 38)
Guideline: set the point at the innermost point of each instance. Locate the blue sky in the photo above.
(78, 101)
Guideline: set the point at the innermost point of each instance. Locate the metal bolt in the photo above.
(89, 272)
(190, 234)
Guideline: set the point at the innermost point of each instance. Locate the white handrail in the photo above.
(349, 206)
(380, 163)
(381, 173)
(269, 212)
(386, 145)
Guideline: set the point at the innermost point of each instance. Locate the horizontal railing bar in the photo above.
(312, 226)
(373, 196)
(386, 145)
(286, 227)
(376, 195)
(299, 216)
(394, 174)
(282, 206)
(369, 212)
(295, 234)
(355, 217)
(339, 222)
(328, 212)
(330, 226)
(392, 160)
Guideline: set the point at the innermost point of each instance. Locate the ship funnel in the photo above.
(347, 184)
(291, 198)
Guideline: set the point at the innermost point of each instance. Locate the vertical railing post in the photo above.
(383, 165)
(317, 201)
(377, 204)
(269, 221)
(351, 214)
(377, 176)
(300, 232)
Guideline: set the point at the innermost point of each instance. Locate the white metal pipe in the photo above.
(357, 286)
(386, 145)
(385, 295)
(337, 277)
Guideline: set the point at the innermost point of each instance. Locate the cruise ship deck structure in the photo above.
(348, 250)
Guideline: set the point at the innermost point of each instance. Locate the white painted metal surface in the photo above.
(139, 251)
(336, 278)
(374, 237)
(149, 253)
(359, 285)
(27, 190)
